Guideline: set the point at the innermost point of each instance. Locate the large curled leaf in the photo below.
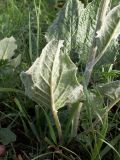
(111, 90)
(75, 25)
(109, 31)
(7, 48)
(51, 80)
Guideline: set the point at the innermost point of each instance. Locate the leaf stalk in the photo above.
(58, 125)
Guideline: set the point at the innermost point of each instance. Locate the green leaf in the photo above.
(75, 25)
(51, 80)
(109, 31)
(98, 143)
(73, 110)
(111, 145)
(52, 133)
(7, 136)
(111, 90)
(7, 48)
(115, 3)
(16, 61)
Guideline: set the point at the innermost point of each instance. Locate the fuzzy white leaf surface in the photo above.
(51, 80)
(7, 48)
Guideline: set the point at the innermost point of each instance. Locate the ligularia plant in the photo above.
(88, 32)
(51, 81)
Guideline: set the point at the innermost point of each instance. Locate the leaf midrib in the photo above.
(51, 81)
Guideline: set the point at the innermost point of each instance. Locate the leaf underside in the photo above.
(76, 26)
(7, 48)
(111, 90)
(52, 78)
